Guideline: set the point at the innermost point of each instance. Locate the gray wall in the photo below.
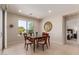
(56, 34)
(12, 33)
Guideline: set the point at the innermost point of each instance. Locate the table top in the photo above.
(35, 36)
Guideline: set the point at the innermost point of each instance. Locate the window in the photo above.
(25, 26)
(30, 27)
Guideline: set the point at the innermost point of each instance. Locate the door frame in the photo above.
(64, 30)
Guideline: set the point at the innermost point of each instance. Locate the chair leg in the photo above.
(24, 45)
(27, 47)
(43, 47)
(46, 45)
(37, 45)
(49, 41)
(34, 47)
(30, 45)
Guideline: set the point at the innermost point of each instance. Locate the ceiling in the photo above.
(41, 10)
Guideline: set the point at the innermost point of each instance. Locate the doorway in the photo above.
(71, 29)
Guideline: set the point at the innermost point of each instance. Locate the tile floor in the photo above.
(54, 49)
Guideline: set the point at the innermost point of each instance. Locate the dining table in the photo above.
(35, 38)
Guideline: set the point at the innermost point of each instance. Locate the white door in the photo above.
(0, 29)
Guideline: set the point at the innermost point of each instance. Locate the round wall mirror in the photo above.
(48, 26)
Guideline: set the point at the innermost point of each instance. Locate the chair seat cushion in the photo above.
(41, 42)
(28, 41)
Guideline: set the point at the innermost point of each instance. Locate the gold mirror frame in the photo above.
(48, 26)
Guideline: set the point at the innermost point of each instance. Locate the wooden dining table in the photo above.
(35, 38)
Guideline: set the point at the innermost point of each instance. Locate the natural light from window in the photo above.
(25, 26)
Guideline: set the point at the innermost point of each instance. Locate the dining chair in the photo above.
(48, 37)
(31, 34)
(42, 41)
(36, 34)
(25, 36)
(28, 40)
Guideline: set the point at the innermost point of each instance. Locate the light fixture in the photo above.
(19, 10)
(49, 11)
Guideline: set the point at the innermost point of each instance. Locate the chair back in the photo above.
(31, 34)
(42, 39)
(30, 39)
(25, 35)
(45, 34)
(45, 39)
(36, 34)
(27, 38)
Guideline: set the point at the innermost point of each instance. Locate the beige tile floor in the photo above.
(54, 49)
